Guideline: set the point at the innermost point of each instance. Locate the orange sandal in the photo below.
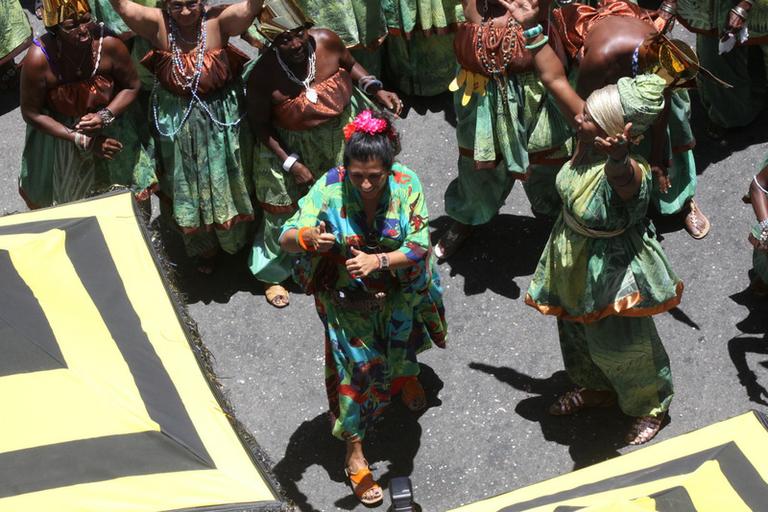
(413, 395)
(362, 483)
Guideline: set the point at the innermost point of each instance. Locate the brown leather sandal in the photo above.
(413, 395)
(574, 401)
(696, 223)
(644, 429)
(276, 295)
(362, 483)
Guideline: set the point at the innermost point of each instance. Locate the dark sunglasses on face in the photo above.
(191, 5)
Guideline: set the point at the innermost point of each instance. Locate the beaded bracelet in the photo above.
(668, 8)
(300, 239)
(532, 32)
(538, 44)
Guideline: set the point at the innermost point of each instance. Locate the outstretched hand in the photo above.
(525, 12)
(318, 239)
(617, 146)
(361, 264)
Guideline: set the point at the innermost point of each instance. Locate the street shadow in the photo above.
(709, 151)
(9, 101)
(591, 436)
(422, 104)
(679, 315)
(496, 253)
(390, 448)
(756, 323)
(231, 273)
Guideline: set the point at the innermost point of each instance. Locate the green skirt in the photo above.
(204, 168)
(359, 23)
(14, 27)
(623, 355)
(760, 264)
(55, 171)
(419, 56)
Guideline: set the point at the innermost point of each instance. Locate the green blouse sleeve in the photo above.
(415, 217)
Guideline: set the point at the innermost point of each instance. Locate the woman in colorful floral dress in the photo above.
(603, 273)
(362, 237)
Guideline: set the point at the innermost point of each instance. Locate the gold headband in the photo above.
(56, 11)
(279, 16)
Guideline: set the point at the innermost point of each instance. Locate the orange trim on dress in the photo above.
(622, 307)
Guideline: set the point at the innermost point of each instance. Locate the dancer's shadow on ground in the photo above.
(231, 274)
(496, 253)
(592, 436)
(389, 448)
(756, 323)
(422, 104)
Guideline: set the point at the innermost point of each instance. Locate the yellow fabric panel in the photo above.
(149, 297)
(710, 491)
(146, 493)
(750, 436)
(56, 406)
(94, 364)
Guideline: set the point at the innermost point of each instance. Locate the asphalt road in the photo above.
(486, 431)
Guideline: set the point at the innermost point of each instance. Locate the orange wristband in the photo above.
(300, 239)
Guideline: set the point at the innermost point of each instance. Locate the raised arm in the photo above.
(144, 21)
(235, 19)
(549, 67)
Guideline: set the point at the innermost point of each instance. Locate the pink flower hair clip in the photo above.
(365, 122)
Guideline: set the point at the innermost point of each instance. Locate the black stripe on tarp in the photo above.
(87, 250)
(27, 343)
(744, 478)
(674, 499)
(91, 460)
(739, 466)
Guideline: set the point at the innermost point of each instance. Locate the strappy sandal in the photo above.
(696, 223)
(413, 395)
(276, 295)
(574, 401)
(362, 483)
(644, 429)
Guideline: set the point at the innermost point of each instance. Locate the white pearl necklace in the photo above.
(311, 73)
(187, 82)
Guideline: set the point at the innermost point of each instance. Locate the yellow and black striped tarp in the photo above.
(103, 403)
(719, 468)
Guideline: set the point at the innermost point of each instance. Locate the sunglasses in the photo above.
(179, 6)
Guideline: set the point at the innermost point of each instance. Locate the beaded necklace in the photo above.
(488, 47)
(311, 73)
(187, 82)
(78, 67)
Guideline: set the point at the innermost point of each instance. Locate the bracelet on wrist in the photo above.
(107, 117)
(740, 12)
(300, 239)
(533, 32)
(538, 44)
(383, 261)
(288, 162)
(758, 185)
(669, 9)
(369, 81)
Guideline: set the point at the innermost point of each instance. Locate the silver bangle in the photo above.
(107, 117)
(367, 81)
(288, 163)
(758, 185)
(740, 12)
(82, 141)
(668, 8)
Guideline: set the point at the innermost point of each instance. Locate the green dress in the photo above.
(204, 151)
(740, 105)
(320, 148)
(371, 350)
(418, 53)
(679, 155)
(55, 171)
(14, 28)
(603, 274)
